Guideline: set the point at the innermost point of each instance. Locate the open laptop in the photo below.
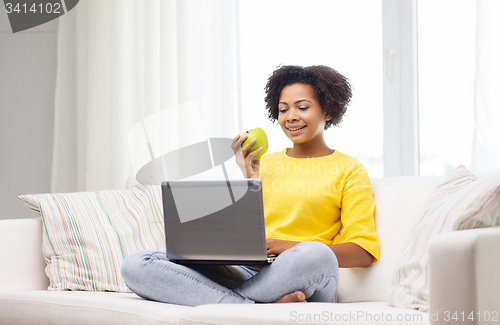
(215, 222)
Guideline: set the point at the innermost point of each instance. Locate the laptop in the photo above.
(215, 222)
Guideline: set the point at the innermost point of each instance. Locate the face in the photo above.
(300, 114)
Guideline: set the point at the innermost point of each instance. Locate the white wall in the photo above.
(27, 85)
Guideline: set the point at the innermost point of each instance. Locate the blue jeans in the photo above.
(310, 267)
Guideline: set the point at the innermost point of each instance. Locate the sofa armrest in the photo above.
(22, 263)
(463, 276)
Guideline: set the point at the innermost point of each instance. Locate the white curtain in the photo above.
(120, 61)
(486, 144)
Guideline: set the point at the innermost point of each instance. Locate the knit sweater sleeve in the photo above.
(358, 211)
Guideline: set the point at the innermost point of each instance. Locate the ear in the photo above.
(327, 117)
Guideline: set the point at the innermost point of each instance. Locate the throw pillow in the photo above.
(461, 201)
(87, 235)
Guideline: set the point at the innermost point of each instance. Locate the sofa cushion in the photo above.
(461, 201)
(87, 235)
(83, 308)
(398, 201)
(303, 313)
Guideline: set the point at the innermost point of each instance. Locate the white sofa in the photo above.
(463, 277)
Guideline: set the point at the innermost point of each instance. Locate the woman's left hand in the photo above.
(277, 246)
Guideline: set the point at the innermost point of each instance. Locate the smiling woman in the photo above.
(311, 230)
(301, 119)
(306, 101)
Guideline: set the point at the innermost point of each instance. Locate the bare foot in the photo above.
(297, 296)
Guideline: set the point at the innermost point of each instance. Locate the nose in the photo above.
(292, 115)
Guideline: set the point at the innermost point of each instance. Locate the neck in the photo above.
(308, 150)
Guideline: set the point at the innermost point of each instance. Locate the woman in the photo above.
(310, 193)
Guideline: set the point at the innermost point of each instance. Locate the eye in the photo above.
(282, 110)
(303, 108)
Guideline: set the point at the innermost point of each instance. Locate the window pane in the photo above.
(345, 35)
(446, 64)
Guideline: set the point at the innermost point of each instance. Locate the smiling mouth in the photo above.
(295, 129)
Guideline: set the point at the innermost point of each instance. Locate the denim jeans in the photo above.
(310, 267)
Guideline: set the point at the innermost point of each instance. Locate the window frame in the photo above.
(401, 138)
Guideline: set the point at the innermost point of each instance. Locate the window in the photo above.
(428, 47)
(345, 35)
(446, 68)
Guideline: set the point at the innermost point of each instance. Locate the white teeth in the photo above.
(295, 129)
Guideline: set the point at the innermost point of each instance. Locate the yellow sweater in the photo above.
(327, 199)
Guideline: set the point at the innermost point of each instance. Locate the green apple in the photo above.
(261, 141)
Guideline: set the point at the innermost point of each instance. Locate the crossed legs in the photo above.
(310, 268)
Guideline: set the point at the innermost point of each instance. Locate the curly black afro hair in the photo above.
(331, 89)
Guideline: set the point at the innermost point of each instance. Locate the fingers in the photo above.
(237, 141)
(237, 138)
(269, 244)
(245, 148)
(240, 155)
(236, 144)
(240, 138)
(254, 153)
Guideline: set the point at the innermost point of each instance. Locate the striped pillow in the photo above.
(87, 235)
(461, 201)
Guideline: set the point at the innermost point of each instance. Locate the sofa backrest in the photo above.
(398, 203)
(23, 266)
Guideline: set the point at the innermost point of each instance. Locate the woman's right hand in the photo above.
(248, 164)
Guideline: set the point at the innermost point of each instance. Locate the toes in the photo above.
(297, 296)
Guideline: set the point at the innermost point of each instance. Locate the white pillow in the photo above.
(87, 235)
(461, 201)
